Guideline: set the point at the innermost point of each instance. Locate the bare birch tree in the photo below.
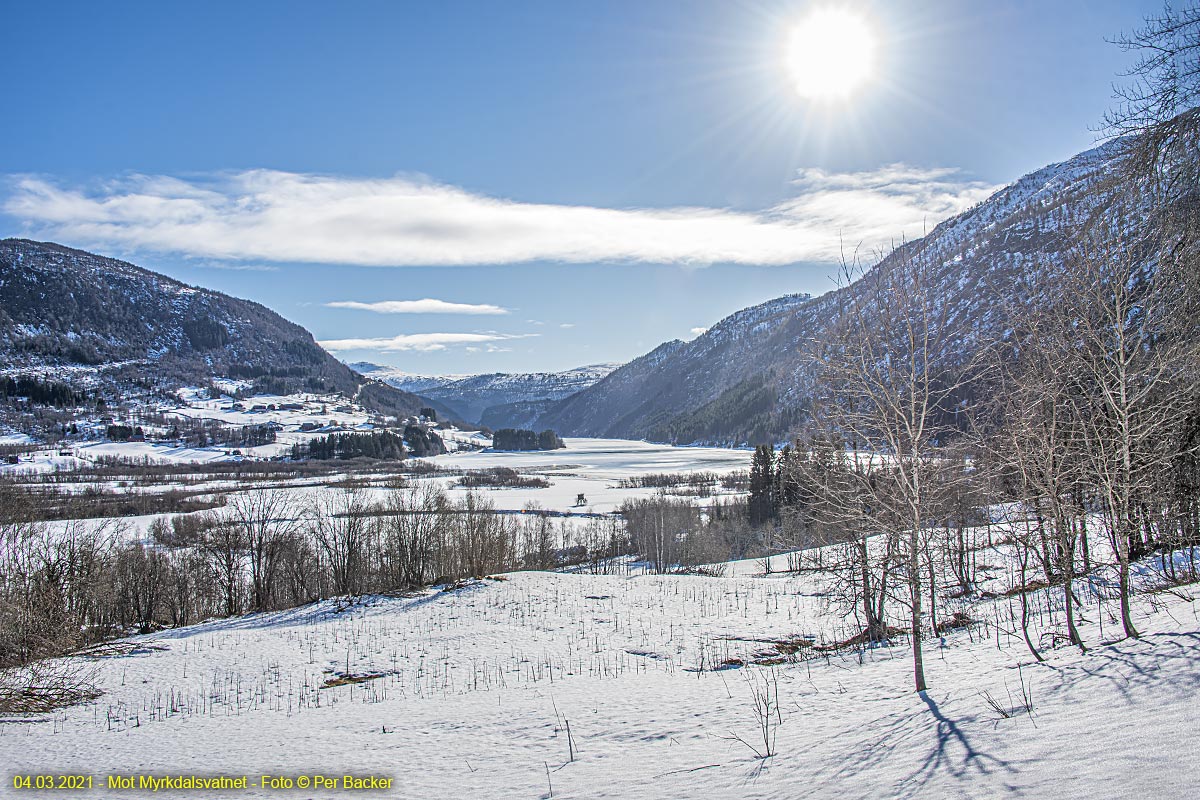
(889, 385)
(1126, 361)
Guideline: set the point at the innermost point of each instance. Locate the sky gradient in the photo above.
(473, 187)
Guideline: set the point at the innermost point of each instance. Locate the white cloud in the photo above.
(887, 205)
(423, 306)
(422, 342)
(237, 267)
(567, 325)
(699, 331)
(403, 221)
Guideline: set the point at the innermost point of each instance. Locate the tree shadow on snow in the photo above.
(1130, 665)
(971, 765)
(952, 755)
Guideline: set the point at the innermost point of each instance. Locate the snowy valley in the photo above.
(880, 477)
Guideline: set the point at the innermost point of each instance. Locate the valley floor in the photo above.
(476, 687)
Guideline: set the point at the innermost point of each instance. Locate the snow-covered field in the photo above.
(322, 413)
(475, 689)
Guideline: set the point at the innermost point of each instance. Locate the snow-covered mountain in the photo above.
(475, 397)
(118, 330)
(407, 381)
(747, 378)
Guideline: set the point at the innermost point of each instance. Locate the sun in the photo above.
(830, 53)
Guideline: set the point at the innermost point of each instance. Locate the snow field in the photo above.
(474, 689)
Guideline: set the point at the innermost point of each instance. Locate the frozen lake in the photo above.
(613, 458)
(593, 467)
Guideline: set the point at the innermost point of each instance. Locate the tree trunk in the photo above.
(1122, 537)
(876, 629)
(1024, 556)
(914, 584)
(933, 625)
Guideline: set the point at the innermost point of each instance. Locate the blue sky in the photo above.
(565, 183)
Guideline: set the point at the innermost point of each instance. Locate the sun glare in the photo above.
(830, 54)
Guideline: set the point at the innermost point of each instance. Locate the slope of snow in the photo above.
(476, 688)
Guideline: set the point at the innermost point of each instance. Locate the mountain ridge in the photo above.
(112, 326)
(746, 379)
(491, 394)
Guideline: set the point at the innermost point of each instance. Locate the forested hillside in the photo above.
(108, 326)
(749, 378)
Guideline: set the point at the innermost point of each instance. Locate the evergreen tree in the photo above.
(762, 480)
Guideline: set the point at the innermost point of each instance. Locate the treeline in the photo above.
(670, 480)
(65, 588)
(123, 433)
(673, 534)
(522, 439)
(213, 433)
(372, 444)
(416, 441)
(42, 393)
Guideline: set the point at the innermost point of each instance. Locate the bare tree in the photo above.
(890, 387)
(1157, 105)
(1128, 366)
(1038, 437)
(54, 597)
(141, 574)
(658, 527)
(186, 576)
(858, 554)
(342, 529)
(482, 540)
(1157, 112)
(266, 520)
(539, 540)
(222, 546)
